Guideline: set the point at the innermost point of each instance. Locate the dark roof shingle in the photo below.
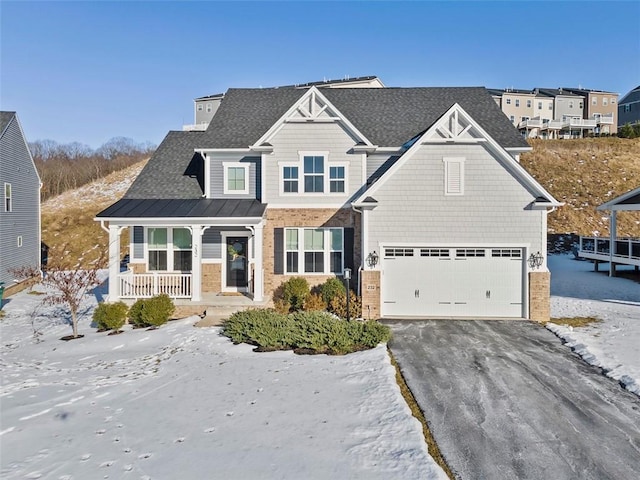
(179, 208)
(174, 170)
(5, 118)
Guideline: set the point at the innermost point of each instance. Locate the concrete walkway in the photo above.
(506, 400)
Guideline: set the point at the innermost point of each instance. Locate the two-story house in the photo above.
(20, 210)
(417, 190)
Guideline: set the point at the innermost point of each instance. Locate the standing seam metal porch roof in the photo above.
(183, 208)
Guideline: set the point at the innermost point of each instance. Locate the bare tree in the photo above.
(68, 282)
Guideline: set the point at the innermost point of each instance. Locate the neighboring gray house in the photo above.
(418, 191)
(629, 108)
(20, 210)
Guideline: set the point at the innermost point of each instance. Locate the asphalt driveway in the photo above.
(506, 400)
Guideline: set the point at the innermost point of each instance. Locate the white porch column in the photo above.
(258, 270)
(364, 238)
(613, 227)
(196, 262)
(114, 262)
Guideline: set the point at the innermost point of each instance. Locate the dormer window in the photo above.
(236, 178)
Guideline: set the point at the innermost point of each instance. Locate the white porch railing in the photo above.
(147, 285)
(553, 124)
(625, 250)
(580, 123)
(606, 119)
(531, 123)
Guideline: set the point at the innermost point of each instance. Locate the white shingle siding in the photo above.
(17, 168)
(413, 207)
(294, 138)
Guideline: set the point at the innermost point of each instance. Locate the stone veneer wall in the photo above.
(540, 296)
(370, 290)
(305, 217)
(211, 277)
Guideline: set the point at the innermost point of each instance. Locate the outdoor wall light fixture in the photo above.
(372, 259)
(535, 260)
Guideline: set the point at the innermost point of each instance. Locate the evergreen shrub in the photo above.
(110, 316)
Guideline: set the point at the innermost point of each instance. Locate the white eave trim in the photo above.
(614, 204)
(518, 149)
(204, 151)
(180, 221)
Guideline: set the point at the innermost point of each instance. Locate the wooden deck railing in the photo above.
(146, 285)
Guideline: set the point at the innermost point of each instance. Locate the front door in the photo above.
(237, 263)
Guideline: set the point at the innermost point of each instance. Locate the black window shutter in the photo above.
(278, 251)
(348, 248)
(138, 242)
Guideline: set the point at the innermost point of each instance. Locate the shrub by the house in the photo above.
(151, 312)
(332, 288)
(110, 316)
(338, 305)
(295, 291)
(303, 331)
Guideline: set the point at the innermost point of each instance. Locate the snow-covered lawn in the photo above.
(183, 402)
(614, 343)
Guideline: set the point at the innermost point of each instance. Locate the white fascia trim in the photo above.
(517, 150)
(204, 151)
(613, 204)
(181, 222)
(283, 119)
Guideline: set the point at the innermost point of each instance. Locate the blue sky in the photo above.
(90, 71)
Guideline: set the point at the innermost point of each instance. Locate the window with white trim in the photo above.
(236, 178)
(550, 106)
(314, 250)
(453, 176)
(209, 108)
(290, 179)
(594, 101)
(605, 102)
(169, 247)
(157, 245)
(539, 105)
(313, 168)
(200, 107)
(528, 103)
(508, 101)
(512, 118)
(613, 100)
(517, 102)
(336, 179)
(19, 241)
(8, 198)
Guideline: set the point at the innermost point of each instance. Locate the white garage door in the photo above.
(452, 282)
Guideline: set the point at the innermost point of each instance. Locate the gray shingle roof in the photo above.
(632, 96)
(174, 170)
(246, 114)
(388, 117)
(5, 118)
(179, 208)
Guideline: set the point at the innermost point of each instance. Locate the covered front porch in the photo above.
(190, 250)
